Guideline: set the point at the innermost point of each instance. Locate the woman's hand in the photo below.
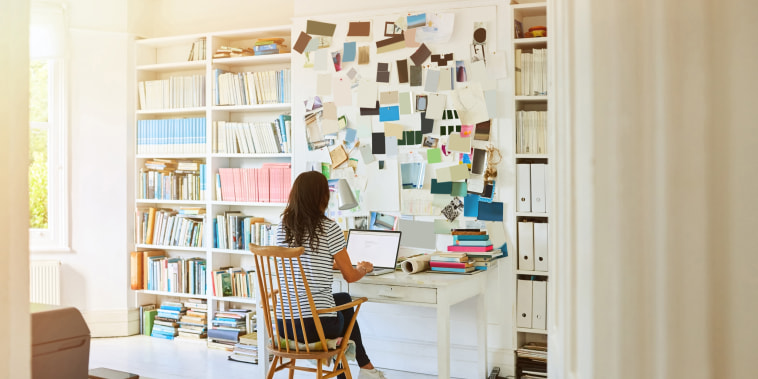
(366, 266)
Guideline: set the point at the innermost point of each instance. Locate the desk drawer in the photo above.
(389, 293)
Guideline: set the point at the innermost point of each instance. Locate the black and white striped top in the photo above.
(318, 271)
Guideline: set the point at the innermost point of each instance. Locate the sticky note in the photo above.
(471, 205)
(459, 189)
(391, 113)
(442, 187)
(433, 155)
(432, 80)
(348, 49)
(377, 143)
(490, 211)
(393, 130)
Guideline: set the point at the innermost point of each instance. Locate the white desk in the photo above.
(440, 291)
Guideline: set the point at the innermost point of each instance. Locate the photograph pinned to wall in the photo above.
(342, 122)
(460, 72)
(452, 210)
(337, 60)
(438, 28)
(421, 103)
(480, 33)
(416, 20)
(382, 221)
(310, 57)
(477, 53)
(482, 131)
(391, 29)
(359, 222)
(412, 175)
(316, 139)
(430, 142)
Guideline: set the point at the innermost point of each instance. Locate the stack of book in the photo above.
(229, 52)
(531, 360)
(267, 46)
(247, 349)
(226, 327)
(450, 262)
(193, 323)
(478, 247)
(166, 324)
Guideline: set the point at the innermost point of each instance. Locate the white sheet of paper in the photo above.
(490, 98)
(496, 67)
(382, 187)
(390, 146)
(469, 102)
(416, 202)
(445, 80)
(322, 60)
(364, 128)
(324, 84)
(329, 126)
(341, 89)
(435, 105)
(367, 94)
(366, 153)
(477, 72)
(432, 81)
(439, 28)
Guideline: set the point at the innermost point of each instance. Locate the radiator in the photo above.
(45, 282)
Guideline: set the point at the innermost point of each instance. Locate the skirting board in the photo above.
(112, 323)
(393, 354)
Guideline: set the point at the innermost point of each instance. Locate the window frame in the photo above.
(56, 237)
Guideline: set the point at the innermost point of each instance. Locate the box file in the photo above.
(524, 303)
(538, 187)
(523, 188)
(539, 305)
(540, 247)
(526, 245)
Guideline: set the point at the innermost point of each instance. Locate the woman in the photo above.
(304, 224)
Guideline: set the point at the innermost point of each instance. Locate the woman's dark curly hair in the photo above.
(303, 216)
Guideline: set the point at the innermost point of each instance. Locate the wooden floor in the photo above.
(155, 358)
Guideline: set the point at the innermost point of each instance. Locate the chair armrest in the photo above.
(343, 306)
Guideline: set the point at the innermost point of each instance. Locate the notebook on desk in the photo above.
(380, 247)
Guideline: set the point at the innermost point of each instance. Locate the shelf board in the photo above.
(533, 331)
(171, 111)
(171, 156)
(532, 156)
(176, 294)
(253, 156)
(250, 204)
(255, 32)
(531, 6)
(170, 41)
(173, 66)
(536, 273)
(531, 214)
(252, 108)
(254, 60)
(162, 247)
(235, 299)
(530, 42)
(179, 202)
(533, 99)
(230, 251)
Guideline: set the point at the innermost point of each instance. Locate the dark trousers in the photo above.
(334, 327)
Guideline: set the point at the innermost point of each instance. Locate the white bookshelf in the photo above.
(163, 58)
(531, 14)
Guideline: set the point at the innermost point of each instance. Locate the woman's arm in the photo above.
(350, 273)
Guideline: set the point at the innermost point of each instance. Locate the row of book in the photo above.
(269, 183)
(531, 72)
(176, 274)
(250, 137)
(251, 88)
(471, 250)
(234, 281)
(531, 361)
(531, 132)
(169, 227)
(234, 230)
(197, 52)
(174, 135)
(172, 93)
(262, 46)
(172, 185)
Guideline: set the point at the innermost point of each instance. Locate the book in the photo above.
(471, 237)
(148, 320)
(473, 243)
(137, 274)
(142, 310)
(469, 248)
(452, 269)
(451, 264)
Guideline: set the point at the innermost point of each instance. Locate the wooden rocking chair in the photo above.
(267, 261)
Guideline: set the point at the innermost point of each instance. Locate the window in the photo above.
(48, 194)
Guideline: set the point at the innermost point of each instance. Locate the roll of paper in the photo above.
(416, 264)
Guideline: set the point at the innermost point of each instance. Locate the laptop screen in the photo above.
(379, 247)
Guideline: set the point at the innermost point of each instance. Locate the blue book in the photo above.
(161, 335)
(473, 243)
(452, 269)
(172, 308)
(464, 237)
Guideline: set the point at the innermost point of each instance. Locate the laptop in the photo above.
(380, 247)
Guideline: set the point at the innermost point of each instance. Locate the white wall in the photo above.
(15, 330)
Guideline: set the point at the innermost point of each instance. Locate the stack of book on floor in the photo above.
(226, 327)
(193, 323)
(166, 324)
(247, 349)
(531, 360)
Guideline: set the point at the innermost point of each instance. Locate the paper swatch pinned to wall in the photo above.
(438, 28)
(402, 71)
(366, 153)
(320, 28)
(452, 173)
(445, 80)
(324, 84)
(420, 55)
(388, 97)
(390, 146)
(367, 94)
(416, 234)
(359, 30)
(458, 143)
(404, 98)
(363, 55)
(342, 94)
(471, 205)
(393, 130)
(390, 44)
(469, 101)
(302, 42)
(329, 123)
(416, 202)
(445, 226)
(416, 76)
(432, 81)
(435, 106)
(410, 38)
(377, 143)
(349, 50)
(490, 211)
(322, 60)
(390, 113)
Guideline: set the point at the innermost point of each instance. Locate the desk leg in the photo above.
(481, 333)
(443, 340)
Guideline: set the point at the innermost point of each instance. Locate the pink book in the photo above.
(254, 182)
(245, 188)
(237, 184)
(469, 248)
(450, 264)
(227, 189)
(287, 182)
(263, 185)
